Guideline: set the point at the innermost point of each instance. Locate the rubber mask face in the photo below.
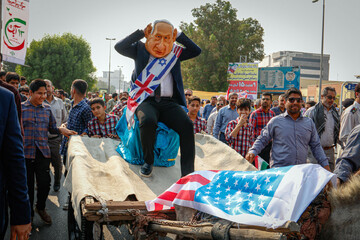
(159, 43)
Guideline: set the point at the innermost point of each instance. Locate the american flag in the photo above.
(266, 198)
(149, 79)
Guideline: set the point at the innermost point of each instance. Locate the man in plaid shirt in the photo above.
(194, 107)
(259, 118)
(80, 113)
(239, 132)
(38, 120)
(102, 125)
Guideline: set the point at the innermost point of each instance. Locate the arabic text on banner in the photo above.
(15, 30)
(243, 77)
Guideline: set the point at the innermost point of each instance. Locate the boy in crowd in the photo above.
(239, 132)
(103, 124)
(38, 120)
(13, 79)
(24, 93)
(194, 107)
(3, 76)
(23, 82)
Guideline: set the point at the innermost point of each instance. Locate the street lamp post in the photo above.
(322, 47)
(120, 73)
(110, 39)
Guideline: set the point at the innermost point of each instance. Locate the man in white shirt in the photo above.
(59, 111)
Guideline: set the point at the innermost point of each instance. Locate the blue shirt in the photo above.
(79, 116)
(207, 110)
(291, 139)
(277, 110)
(349, 160)
(225, 115)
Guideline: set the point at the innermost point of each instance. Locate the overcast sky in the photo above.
(293, 25)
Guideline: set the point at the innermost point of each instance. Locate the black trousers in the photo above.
(54, 144)
(38, 167)
(172, 115)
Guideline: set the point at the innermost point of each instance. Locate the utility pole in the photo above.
(322, 48)
(110, 39)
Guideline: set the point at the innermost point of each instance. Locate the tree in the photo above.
(61, 59)
(222, 38)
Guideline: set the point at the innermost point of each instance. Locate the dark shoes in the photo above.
(146, 170)
(44, 216)
(56, 187)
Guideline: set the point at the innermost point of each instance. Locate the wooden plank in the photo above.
(116, 205)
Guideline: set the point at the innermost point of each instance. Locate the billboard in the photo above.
(243, 79)
(278, 79)
(15, 31)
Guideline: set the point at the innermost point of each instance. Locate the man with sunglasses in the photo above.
(327, 123)
(291, 134)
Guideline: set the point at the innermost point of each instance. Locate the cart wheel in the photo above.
(74, 232)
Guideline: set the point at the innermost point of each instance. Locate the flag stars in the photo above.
(228, 189)
(238, 192)
(162, 61)
(243, 176)
(207, 192)
(262, 197)
(254, 178)
(219, 185)
(269, 189)
(217, 199)
(258, 187)
(261, 205)
(228, 196)
(236, 183)
(240, 199)
(246, 185)
(227, 209)
(250, 195)
(218, 192)
(226, 180)
(267, 180)
(278, 173)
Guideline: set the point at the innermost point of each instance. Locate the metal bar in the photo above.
(322, 51)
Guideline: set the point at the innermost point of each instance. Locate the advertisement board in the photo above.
(15, 30)
(278, 79)
(243, 79)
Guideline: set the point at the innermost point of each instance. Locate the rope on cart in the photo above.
(104, 211)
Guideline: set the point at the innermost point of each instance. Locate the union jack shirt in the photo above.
(105, 129)
(199, 125)
(259, 118)
(242, 142)
(37, 121)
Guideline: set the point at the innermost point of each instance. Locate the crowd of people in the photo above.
(283, 131)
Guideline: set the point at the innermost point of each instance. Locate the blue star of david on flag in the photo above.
(162, 61)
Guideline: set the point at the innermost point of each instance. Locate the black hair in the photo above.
(311, 103)
(97, 100)
(23, 78)
(292, 91)
(24, 89)
(194, 98)
(36, 84)
(114, 95)
(2, 73)
(243, 103)
(80, 86)
(123, 98)
(267, 94)
(12, 76)
(61, 92)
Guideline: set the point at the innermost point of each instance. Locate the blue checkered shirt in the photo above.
(79, 116)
